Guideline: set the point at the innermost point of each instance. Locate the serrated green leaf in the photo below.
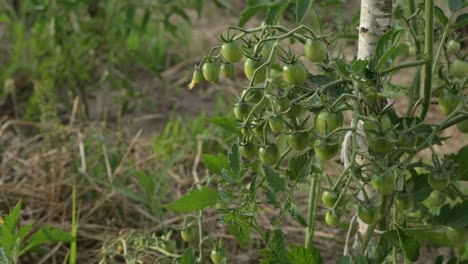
(440, 15)
(301, 255)
(249, 12)
(275, 11)
(455, 217)
(228, 124)
(195, 200)
(461, 21)
(438, 236)
(299, 167)
(278, 244)
(296, 213)
(408, 244)
(215, 163)
(188, 257)
(392, 91)
(455, 5)
(235, 161)
(274, 179)
(461, 171)
(302, 6)
(240, 232)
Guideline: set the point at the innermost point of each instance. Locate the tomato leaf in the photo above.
(435, 235)
(240, 232)
(277, 244)
(455, 5)
(344, 260)
(461, 171)
(461, 21)
(455, 217)
(392, 91)
(301, 255)
(275, 10)
(188, 257)
(228, 124)
(302, 6)
(215, 163)
(295, 213)
(195, 200)
(440, 15)
(274, 179)
(249, 12)
(299, 167)
(235, 161)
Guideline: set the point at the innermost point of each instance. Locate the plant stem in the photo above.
(74, 231)
(429, 54)
(314, 192)
(414, 93)
(403, 65)
(200, 237)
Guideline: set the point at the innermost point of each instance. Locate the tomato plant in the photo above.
(293, 110)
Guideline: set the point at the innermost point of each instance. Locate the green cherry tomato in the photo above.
(459, 236)
(197, 78)
(315, 50)
(329, 198)
(248, 150)
(448, 101)
(232, 51)
(218, 254)
(266, 50)
(326, 122)
(253, 96)
(169, 246)
(332, 217)
(412, 50)
(250, 66)
(383, 183)
(381, 144)
(298, 141)
(405, 202)
(369, 214)
(241, 110)
(438, 182)
(463, 126)
(436, 199)
(276, 124)
(453, 46)
(188, 234)
(269, 154)
(326, 150)
(228, 70)
(295, 73)
(383, 121)
(459, 69)
(211, 72)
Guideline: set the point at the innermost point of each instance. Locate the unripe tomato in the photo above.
(254, 96)
(211, 72)
(276, 124)
(329, 198)
(369, 214)
(412, 50)
(436, 199)
(295, 73)
(326, 150)
(250, 66)
(248, 150)
(296, 110)
(188, 234)
(169, 246)
(405, 202)
(458, 236)
(218, 254)
(228, 70)
(232, 51)
(463, 126)
(453, 46)
(459, 69)
(381, 144)
(326, 122)
(269, 154)
(315, 50)
(266, 50)
(384, 121)
(438, 182)
(448, 101)
(241, 110)
(299, 141)
(332, 218)
(383, 183)
(197, 78)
